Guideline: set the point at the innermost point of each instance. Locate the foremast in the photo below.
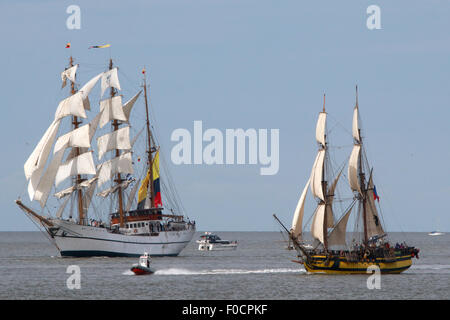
(43, 174)
(78, 179)
(323, 217)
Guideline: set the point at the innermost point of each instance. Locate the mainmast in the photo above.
(321, 220)
(356, 172)
(76, 124)
(362, 179)
(119, 178)
(150, 148)
(324, 188)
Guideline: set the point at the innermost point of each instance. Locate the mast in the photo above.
(324, 188)
(76, 124)
(119, 178)
(150, 149)
(362, 179)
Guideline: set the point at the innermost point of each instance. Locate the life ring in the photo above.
(135, 231)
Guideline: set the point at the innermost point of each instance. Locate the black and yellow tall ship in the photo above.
(330, 251)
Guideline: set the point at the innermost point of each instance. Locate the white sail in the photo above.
(297, 220)
(35, 164)
(46, 181)
(69, 74)
(65, 192)
(111, 109)
(317, 175)
(337, 235)
(40, 154)
(132, 195)
(71, 106)
(82, 164)
(76, 138)
(92, 128)
(70, 190)
(321, 128)
(118, 139)
(317, 230)
(110, 79)
(353, 167)
(88, 194)
(129, 105)
(120, 164)
(113, 189)
(33, 182)
(355, 127)
(62, 207)
(86, 89)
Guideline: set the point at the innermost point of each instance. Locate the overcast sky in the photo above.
(249, 64)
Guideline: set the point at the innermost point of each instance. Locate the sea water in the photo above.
(260, 268)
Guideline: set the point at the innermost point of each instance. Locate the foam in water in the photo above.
(128, 273)
(431, 266)
(179, 271)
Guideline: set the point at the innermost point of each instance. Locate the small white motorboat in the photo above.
(212, 242)
(143, 267)
(435, 233)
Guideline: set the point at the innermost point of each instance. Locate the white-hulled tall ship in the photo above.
(93, 213)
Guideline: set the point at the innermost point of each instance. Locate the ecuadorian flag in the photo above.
(156, 187)
(142, 194)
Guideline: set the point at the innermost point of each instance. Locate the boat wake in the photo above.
(431, 266)
(128, 273)
(179, 271)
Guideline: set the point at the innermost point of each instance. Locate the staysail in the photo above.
(297, 221)
(337, 235)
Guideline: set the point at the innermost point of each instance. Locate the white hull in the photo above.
(435, 233)
(86, 241)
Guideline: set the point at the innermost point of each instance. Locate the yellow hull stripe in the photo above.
(341, 266)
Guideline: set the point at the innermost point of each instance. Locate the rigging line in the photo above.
(40, 226)
(172, 185)
(155, 135)
(341, 147)
(341, 125)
